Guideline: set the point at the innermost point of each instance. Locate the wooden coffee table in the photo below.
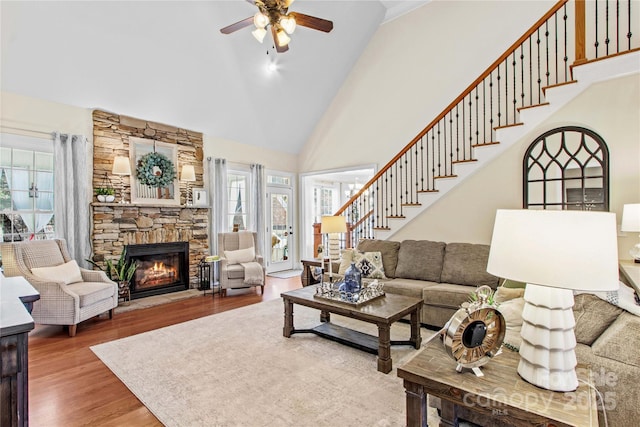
(382, 312)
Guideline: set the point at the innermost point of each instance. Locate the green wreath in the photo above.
(159, 178)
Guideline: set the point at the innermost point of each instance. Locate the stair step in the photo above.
(411, 204)
(382, 228)
(464, 161)
(544, 89)
(485, 144)
(508, 126)
(445, 176)
(427, 191)
(532, 106)
(396, 216)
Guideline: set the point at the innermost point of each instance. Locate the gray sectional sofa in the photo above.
(444, 274)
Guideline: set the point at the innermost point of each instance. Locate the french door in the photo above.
(280, 239)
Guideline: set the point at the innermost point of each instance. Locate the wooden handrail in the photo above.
(455, 102)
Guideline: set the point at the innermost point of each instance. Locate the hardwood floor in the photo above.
(69, 385)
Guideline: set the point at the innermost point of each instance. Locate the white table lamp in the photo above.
(554, 252)
(631, 223)
(188, 174)
(333, 226)
(122, 167)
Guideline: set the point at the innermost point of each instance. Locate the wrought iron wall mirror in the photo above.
(567, 168)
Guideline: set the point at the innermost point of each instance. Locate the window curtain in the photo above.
(257, 202)
(217, 171)
(72, 194)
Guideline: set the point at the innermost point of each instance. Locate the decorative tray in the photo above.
(330, 292)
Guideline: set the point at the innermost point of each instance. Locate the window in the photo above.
(26, 188)
(325, 200)
(567, 169)
(237, 189)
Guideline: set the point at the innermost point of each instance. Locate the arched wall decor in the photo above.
(567, 168)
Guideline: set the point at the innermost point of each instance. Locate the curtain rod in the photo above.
(39, 132)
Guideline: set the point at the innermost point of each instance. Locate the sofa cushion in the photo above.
(369, 264)
(45, 253)
(447, 295)
(466, 264)
(235, 271)
(593, 316)
(616, 342)
(406, 287)
(387, 248)
(92, 292)
(67, 273)
(241, 255)
(420, 259)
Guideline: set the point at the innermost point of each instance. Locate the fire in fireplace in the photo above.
(162, 268)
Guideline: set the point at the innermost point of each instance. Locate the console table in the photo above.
(16, 299)
(499, 398)
(630, 274)
(307, 271)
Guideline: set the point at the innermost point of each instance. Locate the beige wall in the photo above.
(611, 109)
(236, 152)
(411, 70)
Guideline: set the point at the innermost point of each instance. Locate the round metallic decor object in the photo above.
(474, 334)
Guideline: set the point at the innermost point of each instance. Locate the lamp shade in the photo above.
(333, 224)
(561, 249)
(121, 166)
(188, 173)
(631, 217)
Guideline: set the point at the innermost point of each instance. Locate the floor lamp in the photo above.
(122, 167)
(333, 226)
(555, 253)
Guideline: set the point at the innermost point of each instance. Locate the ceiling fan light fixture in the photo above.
(259, 34)
(282, 38)
(260, 20)
(288, 23)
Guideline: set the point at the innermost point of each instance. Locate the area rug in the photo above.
(236, 369)
(285, 274)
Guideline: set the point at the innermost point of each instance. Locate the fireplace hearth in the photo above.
(162, 268)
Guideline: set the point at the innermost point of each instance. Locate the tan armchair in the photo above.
(63, 300)
(240, 266)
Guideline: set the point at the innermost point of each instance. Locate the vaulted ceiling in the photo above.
(167, 61)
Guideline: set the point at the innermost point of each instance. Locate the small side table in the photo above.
(124, 292)
(307, 275)
(209, 268)
(499, 398)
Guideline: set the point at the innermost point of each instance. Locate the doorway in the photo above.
(280, 241)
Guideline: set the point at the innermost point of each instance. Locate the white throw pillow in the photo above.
(240, 256)
(67, 273)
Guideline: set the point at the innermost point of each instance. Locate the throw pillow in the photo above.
(370, 264)
(67, 273)
(420, 260)
(346, 258)
(240, 256)
(389, 250)
(624, 298)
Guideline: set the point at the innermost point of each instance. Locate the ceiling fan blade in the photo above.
(237, 26)
(312, 22)
(279, 49)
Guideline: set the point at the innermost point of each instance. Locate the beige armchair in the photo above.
(71, 294)
(240, 266)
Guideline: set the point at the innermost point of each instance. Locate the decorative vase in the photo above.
(109, 198)
(352, 279)
(102, 198)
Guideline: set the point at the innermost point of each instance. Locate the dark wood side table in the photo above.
(16, 301)
(307, 271)
(499, 398)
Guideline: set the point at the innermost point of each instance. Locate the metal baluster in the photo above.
(546, 43)
(606, 23)
(566, 57)
(597, 43)
(498, 84)
(506, 91)
(470, 123)
(539, 75)
(629, 24)
(522, 75)
(484, 110)
(422, 163)
(555, 23)
(515, 100)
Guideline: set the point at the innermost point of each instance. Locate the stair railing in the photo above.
(540, 59)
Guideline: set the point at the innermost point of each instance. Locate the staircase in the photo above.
(541, 72)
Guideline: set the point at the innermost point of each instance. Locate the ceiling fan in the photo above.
(274, 13)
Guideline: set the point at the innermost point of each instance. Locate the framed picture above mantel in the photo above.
(154, 172)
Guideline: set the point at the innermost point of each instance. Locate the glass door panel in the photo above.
(280, 239)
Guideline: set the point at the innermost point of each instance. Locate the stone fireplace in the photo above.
(130, 225)
(162, 268)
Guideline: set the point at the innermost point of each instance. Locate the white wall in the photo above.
(411, 70)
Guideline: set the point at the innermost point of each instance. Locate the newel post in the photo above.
(581, 36)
